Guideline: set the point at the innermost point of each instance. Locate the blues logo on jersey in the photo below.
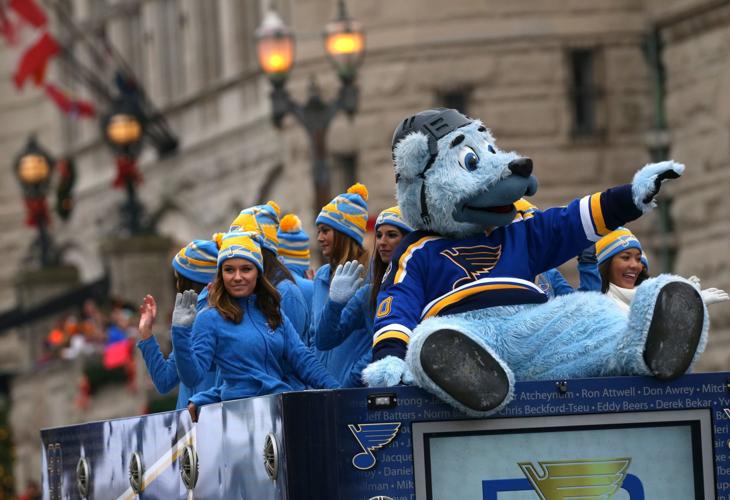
(475, 261)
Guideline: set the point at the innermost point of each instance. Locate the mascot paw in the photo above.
(384, 372)
(648, 180)
(675, 330)
(464, 370)
(408, 378)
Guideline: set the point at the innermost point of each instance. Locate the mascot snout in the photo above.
(521, 167)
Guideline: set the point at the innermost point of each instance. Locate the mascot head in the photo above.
(452, 179)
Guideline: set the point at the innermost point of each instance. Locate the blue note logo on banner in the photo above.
(560, 479)
(371, 437)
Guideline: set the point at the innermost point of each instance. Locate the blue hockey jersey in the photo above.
(431, 275)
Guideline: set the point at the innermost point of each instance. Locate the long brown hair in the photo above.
(274, 270)
(345, 249)
(267, 300)
(605, 269)
(182, 283)
(377, 268)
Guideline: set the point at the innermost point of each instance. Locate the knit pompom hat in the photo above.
(239, 245)
(616, 242)
(392, 217)
(266, 218)
(197, 261)
(293, 244)
(347, 213)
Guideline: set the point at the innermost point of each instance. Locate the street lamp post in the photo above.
(33, 167)
(122, 128)
(344, 45)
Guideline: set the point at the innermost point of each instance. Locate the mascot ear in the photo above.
(410, 156)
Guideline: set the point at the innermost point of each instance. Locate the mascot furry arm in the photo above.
(457, 189)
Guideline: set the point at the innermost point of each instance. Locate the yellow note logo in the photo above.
(585, 479)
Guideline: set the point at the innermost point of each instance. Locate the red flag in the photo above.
(30, 11)
(118, 354)
(70, 106)
(37, 212)
(127, 171)
(34, 60)
(7, 28)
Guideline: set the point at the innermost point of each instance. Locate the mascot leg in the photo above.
(449, 360)
(668, 329)
(470, 360)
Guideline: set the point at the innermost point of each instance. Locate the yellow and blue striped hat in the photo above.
(239, 245)
(392, 217)
(266, 218)
(616, 242)
(347, 212)
(197, 261)
(293, 244)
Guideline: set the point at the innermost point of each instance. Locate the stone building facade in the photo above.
(571, 84)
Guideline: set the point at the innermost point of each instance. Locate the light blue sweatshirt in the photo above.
(306, 286)
(342, 333)
(249, 355)
(554, 284)
(163, 372)
(294, 306)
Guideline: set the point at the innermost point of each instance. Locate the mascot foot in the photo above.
(675, 330)
(463, 369)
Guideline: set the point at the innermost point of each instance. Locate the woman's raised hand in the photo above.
(147, 315)
(346, 281)
(184, 312)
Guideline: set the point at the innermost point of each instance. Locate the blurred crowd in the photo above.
(94, 331)
(103, 337)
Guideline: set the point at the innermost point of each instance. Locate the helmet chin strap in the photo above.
(425, 217)
(435, 124)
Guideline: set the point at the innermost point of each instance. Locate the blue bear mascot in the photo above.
(459, 313)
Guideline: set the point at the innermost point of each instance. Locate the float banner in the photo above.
(621, 456)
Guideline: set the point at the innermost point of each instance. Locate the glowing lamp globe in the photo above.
(33, 169)
(123, 130)
(344, 42)
(275, 47)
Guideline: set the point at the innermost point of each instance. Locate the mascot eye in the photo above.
(468, 159)
(491, 149)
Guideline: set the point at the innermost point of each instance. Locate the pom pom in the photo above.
(218, 238)
(275, 206)
(290, 223)
(360, 189)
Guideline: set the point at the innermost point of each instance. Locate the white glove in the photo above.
(184, 312)
(648, 180)
(346, 281)
(713, 296)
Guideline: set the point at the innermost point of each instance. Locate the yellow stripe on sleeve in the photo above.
(597, 214)
(391, 334)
